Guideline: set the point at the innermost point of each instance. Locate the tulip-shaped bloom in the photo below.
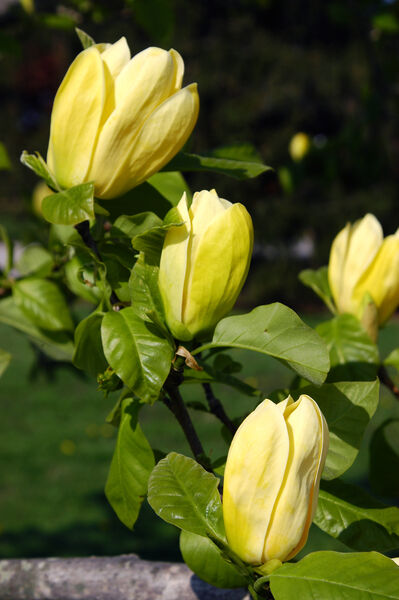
(204, 263)
(117, 120)
(363, 263)
(272, 478)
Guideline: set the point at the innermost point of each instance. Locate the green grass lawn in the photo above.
(55, 450)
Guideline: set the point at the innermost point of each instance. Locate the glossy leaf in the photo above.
(133, 225)
(349, 514)
(275, 330)
(204, 558)
(336, 576)
(144, 197)
(353, 356)
(384, 459)
(56, 344)
(182, 493)
(42, 302)
(35, 259)
(131, 465)
(317, 280)
(5, 359)
(36, 163)
(81, 275)
(348, 408)
(70, 207)
(89, 354)
(239, 169)
(145, 295)
(137, 351)
(171, 185)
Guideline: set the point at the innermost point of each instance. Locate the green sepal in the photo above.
(37, 164)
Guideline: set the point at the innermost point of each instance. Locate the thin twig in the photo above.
(83, 229)
(178, 408)
(216, 407)
(386, 380)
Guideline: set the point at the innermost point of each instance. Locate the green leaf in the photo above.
(275, 330)
(9, 248)
(144, 197)
(133, 225)
(5, 359)
(317, 280)
(211, 375)
(182, 493)
(384, 459)
(353, 356)
(56, 344)
(239, 169)
(348, 408)
(336, 576)
(85, 39)
(151, 242)
(89, 354)
(171, 185)
(35, 260)
(392, 359)
(36, 163)
(145, 295)
(131, 465)
(42, 302)
(81, 276)
(244, 151)
(204, 558)
(137, 351)
(349, 514)
(5, 163)
(70, 207)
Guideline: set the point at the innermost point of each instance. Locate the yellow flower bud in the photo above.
(117, 120)
(272, 478)
(363, 263)
(204, 263)
(299, 146)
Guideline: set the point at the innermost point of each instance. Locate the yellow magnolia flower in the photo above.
(117, 120)
(299, 146)
(204, 263)
(272, 478)
(364, 264)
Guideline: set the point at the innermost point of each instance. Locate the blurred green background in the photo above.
(266, 70)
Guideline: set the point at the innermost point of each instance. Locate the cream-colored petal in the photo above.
(206, 206)
(365, 240)
(336, 263)
(143, 84)
(116, 56)
(289, 522)
(172, 270)
(160, 138)
(381, 280)
(75, 118)
(219, 269)
(254, 473)
(179, 70)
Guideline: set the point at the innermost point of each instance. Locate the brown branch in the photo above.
(178, 408)
(216, 408)
(386, 380)
(104, 578)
